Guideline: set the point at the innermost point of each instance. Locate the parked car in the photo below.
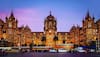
(52, 50)
(92, 50)
(62, 50)
(80, 49)
(24, 50)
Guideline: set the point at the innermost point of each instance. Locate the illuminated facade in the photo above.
(10, 31)
(77, 35)
(98, 37)
(50, 36)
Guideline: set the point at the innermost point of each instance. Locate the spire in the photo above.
(50, 16)
(27, 27)
(73, 26)
(11, 15)
(50, 13)
(78, 26)
(93, 17)
(83, 20)
(6, 17)
(88, 15)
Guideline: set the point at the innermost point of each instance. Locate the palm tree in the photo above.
(55, 39)
(43, 40)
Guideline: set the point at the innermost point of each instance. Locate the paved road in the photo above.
(31, 54)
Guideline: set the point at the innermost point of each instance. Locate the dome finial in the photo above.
(93, 17)
(12, 13)
(87, 15)
(50, 13)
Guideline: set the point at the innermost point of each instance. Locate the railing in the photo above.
(33, 47)
(6, 48)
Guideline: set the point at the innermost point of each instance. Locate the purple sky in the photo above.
(33, 12)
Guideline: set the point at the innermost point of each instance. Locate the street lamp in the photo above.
(19, 44)
(49, 31)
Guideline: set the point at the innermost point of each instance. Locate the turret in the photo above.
(87, 15)
(12, 16)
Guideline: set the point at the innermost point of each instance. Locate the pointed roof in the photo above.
(22, 27)
(98, 21)
(1, 21)
(78, 26)
(93, 17)
(6, 17)
(83, 20)
(50, 13)
(87, 15)
(27, 28)
(50, 17)
(73, 28)
(11, 15)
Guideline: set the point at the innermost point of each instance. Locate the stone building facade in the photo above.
(10, 31)
(23, 35)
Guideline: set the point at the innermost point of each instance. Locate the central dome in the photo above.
(50, 17)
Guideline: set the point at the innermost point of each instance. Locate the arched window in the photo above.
(10, 24)
(89, 25)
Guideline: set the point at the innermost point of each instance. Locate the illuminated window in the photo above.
(50, 24)
(49, 31)
(9, 31)
(89, 25)
(4, 31)
(1, 26)
(50, 18)
(10, 25)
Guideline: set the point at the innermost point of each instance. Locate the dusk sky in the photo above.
(33, 12)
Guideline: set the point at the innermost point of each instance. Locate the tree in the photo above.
(31, 46)
(64, 41)
(43, 40)
(2, 42)
(55, 39)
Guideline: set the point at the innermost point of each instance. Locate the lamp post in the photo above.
(97, 43)
(55, 39)
(43, 40)
(19, 44)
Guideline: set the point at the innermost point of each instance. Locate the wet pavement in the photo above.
(32, 54)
